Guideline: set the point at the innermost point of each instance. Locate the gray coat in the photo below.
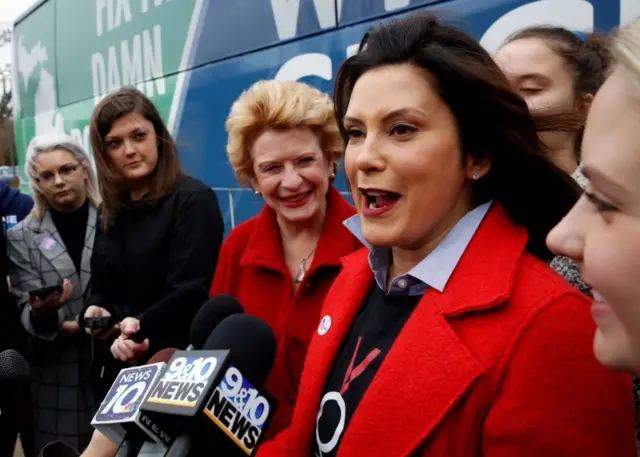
(63, 403)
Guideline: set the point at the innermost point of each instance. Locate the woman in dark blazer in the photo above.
(160, 230)
(450, 336)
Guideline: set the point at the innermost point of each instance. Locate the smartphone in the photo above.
(44, 292)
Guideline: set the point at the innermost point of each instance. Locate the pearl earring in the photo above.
(332, 175)
(256, 192)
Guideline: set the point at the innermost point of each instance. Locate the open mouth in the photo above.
(597, 296)
(378, 201)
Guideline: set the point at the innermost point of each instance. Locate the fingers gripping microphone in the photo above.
(119, 417)
(215, 396)
(214, 311)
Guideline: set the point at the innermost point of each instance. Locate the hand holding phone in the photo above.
(50, 298)
(43, 292)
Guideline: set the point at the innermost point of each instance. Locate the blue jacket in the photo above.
(14, 205)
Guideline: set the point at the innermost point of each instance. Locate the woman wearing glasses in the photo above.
(52, 246)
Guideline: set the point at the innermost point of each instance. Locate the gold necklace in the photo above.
(302, 269)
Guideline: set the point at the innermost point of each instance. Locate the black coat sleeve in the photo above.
(197, 237)
(99, 276)
(194, 247)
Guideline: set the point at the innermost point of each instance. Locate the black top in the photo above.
(375, 330)
(156, 249)
(72, 228)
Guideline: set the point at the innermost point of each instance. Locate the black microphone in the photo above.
(15, 410)
(179, 304)
(210, 314)
(14, 369)
(215, 396)
(119, 417)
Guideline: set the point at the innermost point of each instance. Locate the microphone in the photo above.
(119, 417)
(14, 369)
(215, 395)
(180, 302)
(15, 408)
(210, 314)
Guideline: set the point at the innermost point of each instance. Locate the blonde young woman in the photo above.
(602, 231)
(53, 245)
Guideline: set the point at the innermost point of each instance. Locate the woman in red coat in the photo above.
(284, 142)
(450, 336)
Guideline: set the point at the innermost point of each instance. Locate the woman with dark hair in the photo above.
(557, 72)
(160, 230)
(449, 335)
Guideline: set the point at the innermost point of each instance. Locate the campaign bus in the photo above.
(193, 58)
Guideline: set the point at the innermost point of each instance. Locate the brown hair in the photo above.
(113, 187)
(586, 54)
(588, 59)
(493, 121)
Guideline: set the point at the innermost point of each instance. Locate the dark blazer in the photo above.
(499, 364)
(253, 269)
(63, 403)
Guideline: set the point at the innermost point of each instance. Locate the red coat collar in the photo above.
(264, 248)
(421, 378)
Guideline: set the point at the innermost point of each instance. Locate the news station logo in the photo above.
(127, 394)
(239, 409)
(184, 381)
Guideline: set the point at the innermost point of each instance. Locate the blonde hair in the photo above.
(51, 141)
(279, 105)
(626, 51)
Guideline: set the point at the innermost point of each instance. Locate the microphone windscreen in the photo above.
(252, 344)
(214, 311)
(162, 355)
(14, 368)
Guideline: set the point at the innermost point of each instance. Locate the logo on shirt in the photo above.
(329, 443)
(325, 325)
(49, 243)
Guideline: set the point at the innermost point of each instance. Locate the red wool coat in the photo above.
(500, 364)
(252, 268)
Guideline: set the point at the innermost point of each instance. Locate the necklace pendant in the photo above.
(301, 273)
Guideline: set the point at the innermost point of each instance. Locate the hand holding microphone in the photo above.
(125, 348)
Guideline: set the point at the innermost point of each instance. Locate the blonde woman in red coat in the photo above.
(284, 142)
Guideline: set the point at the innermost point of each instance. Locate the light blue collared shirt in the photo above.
(432, 271)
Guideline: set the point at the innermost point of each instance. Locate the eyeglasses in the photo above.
(48, 177)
